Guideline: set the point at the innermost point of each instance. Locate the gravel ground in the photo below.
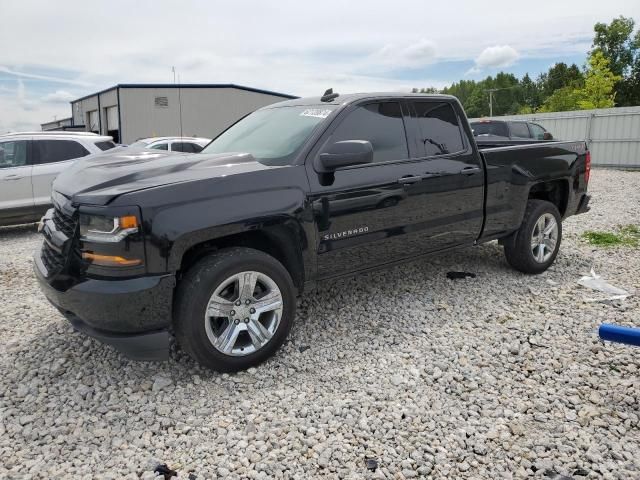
(500, 376)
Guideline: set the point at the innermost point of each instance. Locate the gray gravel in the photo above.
(408, 372)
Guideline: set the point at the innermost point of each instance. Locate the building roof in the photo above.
(186, 85)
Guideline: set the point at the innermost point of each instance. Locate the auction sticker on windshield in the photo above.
(316, 112)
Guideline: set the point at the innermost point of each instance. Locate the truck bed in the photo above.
(512, 169)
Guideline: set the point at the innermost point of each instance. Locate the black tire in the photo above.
(517, 248)
(195, 290)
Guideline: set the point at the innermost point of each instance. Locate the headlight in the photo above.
(98, 228)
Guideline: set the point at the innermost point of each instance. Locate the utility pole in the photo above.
(491, 90)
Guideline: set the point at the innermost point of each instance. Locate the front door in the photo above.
(16, 195)
(364, 213)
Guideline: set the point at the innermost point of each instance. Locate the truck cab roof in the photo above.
(345, 99)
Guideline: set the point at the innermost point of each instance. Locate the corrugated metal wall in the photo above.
(613, 134)
(205, 111)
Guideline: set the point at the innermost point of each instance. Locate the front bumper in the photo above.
(132, 315)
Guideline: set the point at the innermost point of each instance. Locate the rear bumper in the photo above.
(583, 206)
(132, 315)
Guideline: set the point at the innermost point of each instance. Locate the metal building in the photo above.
(128, 112)
(61, 124)
(613, 134)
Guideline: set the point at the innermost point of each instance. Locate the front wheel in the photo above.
(234, 309)
(534, 247)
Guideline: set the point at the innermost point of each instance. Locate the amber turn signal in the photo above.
(129, 221)
(110, 260)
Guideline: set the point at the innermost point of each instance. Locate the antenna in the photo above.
(329, 95)
(180, 104)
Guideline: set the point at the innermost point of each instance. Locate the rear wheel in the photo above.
(534, 247)
(234, 309)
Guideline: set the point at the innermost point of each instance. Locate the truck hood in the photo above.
(97, 180)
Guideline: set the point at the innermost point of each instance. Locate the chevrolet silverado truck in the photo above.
(214, 247)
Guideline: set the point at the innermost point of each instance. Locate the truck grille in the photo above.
(65, 223)
(53, 261)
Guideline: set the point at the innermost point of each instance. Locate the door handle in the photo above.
(13, 177)
(470, 170)
(408, 179)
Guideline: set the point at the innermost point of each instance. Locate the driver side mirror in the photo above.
(345, 154)
(547, 136)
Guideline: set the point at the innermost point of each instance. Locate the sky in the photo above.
(54, 52)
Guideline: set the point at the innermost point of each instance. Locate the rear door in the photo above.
(52, 156)
(16, 195)
(452, 191)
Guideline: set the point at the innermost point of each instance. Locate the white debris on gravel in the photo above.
(408, 373)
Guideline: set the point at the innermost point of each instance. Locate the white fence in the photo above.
(613, 134)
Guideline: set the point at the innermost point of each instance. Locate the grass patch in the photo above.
(626, 236)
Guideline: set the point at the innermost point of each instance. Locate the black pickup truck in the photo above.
(215, 246)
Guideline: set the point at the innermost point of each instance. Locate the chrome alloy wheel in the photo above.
(243, 313)
(544, 238)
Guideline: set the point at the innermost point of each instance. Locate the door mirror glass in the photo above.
(346, 154)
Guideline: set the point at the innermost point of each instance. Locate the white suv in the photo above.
(29, 162)
(173, 144)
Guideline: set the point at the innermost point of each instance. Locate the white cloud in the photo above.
(412, 55)
(287, 46)
(59, 96)
(47, 78)
(498, 56)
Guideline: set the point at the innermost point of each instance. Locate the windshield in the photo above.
(490, 128)
(273, 135)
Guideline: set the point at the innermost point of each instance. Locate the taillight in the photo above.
(587, 172)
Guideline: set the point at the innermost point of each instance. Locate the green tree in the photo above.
(559, 76)
(562, 100)
(615, 42)
(621, 47)
(531, 95)
(599, 83)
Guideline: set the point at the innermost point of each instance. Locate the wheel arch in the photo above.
(553, 191)
(282, 241)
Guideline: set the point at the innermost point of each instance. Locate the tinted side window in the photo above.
(440, 131)
(49, 151)
(161, 146)
(180, 147)
(187, 147)
(519, 129)
(379, 123)
(489, 128)
(13, 153)
(537, 131)
(105, 145)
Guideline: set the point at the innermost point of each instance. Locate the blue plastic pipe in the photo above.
(615, 333)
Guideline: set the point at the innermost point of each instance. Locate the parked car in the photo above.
(511, 132)
(29, 161)
(173, 144)
(216, 246)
